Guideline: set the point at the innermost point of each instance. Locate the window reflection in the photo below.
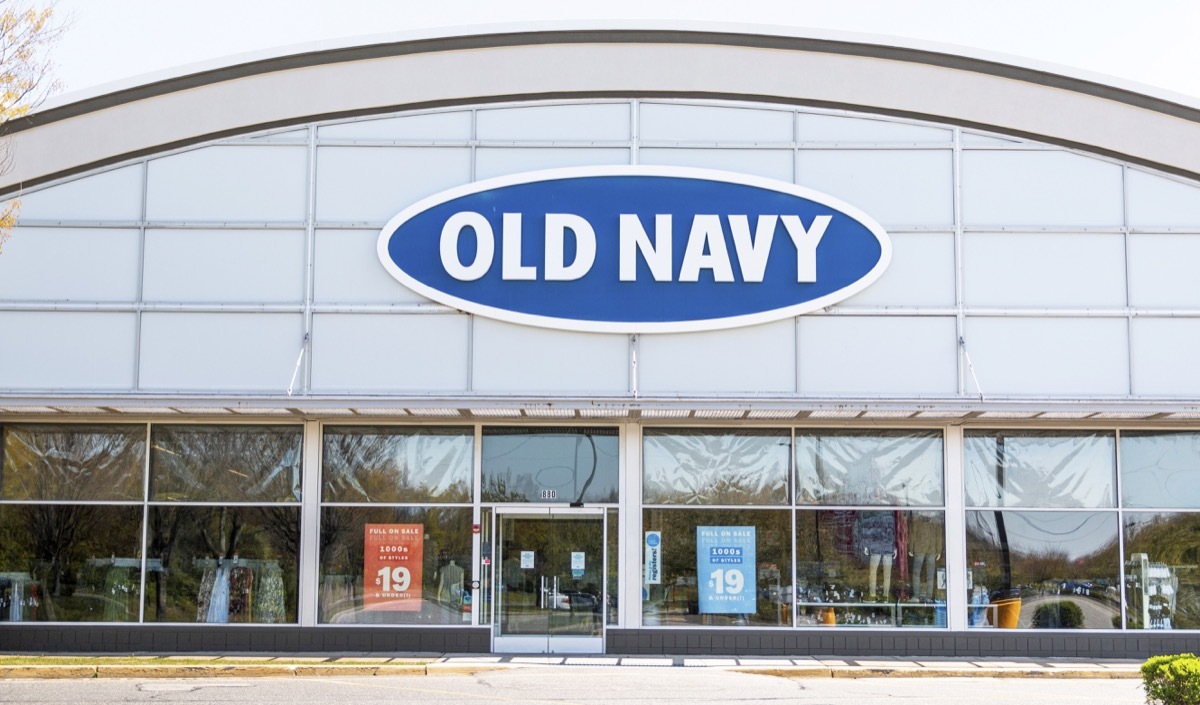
(397, 464)
(1053, 469)
(1162, 570)
(225, 463)
(568, 465)
(67, 462)
(70, 563)
(870, 568)
(1160, 469)
(350, 588)
(682, 593)
(1043, 570)
(222, 564)
(707, 467)
(869, 467)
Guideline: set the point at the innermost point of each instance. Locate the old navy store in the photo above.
(449, 353)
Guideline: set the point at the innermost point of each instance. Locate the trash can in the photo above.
(1007, 605)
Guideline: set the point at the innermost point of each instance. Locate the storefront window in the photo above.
(717, 567)
(547, 465)
(225, 463)
(70, 563)
(896, 468)
(1043, 570)
(1051, 469)
(1162, 570)
(875, 567)
(63, 556)
(396, 565)
(394, 464)
(221, 564)
(66, 462)
(713, 467)
(1160, 469)
(220, 559)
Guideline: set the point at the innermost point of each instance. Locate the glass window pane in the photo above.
(70, 563)
(397, 464)
(750, 591)
(1043, 570)
(901, 468)
(225, 463)
(60, 462)
(707, 467)
(1052, 469)
(1162, 570)
(568, 465)
(1160, 469)
(223, 564)
(614, 567)
(870, 568)
(427, 567)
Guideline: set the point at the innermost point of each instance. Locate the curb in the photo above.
(288, 670)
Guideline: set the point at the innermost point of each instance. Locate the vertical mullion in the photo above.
(310, 526)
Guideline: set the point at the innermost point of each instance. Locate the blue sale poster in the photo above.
(726, 569)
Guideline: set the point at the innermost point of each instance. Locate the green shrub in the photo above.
(1058, 615)
(1172, 680)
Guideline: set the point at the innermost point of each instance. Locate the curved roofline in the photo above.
(265, 57)
(994, 75)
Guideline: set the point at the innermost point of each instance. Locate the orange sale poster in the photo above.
(392, 559)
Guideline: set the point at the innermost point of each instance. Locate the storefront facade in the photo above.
(239, 411)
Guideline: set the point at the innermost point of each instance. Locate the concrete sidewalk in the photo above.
(374, 664)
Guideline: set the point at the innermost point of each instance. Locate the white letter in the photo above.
(511, 268)
(585, 247)
(752, 255)
(656, 254)
(485, 246)
(706, 234)
(806, 242)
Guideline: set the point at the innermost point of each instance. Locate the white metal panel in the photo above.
(1163, 271)
(599, 122)
(1156, 202)
(371, 184)
(754, 359)
(300, 135)
(768, 163)
(836, 128)
(921, 273)
(229, 183)
(513, 358)
(1041, 189)
(203, 266)
(62, 350)
(347, 270)
(69, 264)
(1164, 352)
(878, 355)
(1049, 356)
(112, 195)
(389, 353)
(896, 187)
(220, 351)
(500, 161)
(697, 123)
(430, 127)
(1044, 270)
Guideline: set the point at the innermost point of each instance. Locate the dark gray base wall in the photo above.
(1056, 644)
(154, 638)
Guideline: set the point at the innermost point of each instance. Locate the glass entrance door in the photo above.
(550, 582)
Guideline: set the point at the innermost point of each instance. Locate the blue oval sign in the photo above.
(634, 249)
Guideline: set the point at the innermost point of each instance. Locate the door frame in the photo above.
(548, 644)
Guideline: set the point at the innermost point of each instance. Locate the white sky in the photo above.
(1155, 42)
